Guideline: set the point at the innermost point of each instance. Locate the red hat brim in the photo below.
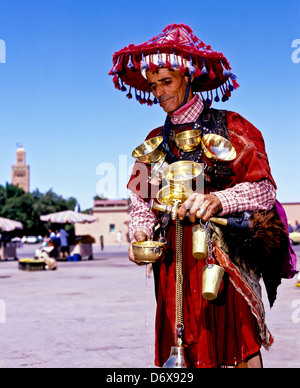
(211, 69)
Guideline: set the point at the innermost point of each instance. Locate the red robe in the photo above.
(230, 329)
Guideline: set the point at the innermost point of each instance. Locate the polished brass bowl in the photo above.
(149, 151)
(147, 251)
(188, 141)
(182, 172)
(170, 195)
(218, 148)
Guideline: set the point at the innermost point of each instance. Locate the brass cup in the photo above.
(149, 151)
(212, 277)
(188, 141)
(147, 251)
(182, 173)
(185, 174)
(218, 148)
(169, 195)
(200, 248)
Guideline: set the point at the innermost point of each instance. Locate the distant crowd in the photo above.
(296, 228)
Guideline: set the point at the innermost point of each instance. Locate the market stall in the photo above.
(83, 247)
(8, 249)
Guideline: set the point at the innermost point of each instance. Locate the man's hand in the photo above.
(200, 206)
(138, 237)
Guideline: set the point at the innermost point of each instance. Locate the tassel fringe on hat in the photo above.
(179, 49)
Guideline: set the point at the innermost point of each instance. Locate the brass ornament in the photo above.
(150, 151)
(218, 149)
(212, 277)
(147, 251)
(188, 141)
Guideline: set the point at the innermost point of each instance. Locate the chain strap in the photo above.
(206, 226)
(179, 281)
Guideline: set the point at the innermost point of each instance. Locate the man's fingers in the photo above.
(139, 236)
(191, 204)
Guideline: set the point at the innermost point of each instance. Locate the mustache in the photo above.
(165, 98)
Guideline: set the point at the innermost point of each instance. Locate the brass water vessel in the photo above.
(188, 141)
(171, 195)
(212, 277)
(147, 251)
(183, 173)
(218, 149)
(150, 151)
(200, 247)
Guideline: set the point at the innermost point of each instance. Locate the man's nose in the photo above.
(160, 90)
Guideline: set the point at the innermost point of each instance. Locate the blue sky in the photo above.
(57, 99)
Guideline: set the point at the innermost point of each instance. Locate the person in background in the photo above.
(102, 242)
(119, 238)
(64, 244)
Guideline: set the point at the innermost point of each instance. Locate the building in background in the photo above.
(292, 212)
(21, 171)
(112, 219)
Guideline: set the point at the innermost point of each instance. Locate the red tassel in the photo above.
(117, 86)
(153, 67)
(116, 82)
(182, 69)
(168, 65)
(235, 84)
(228, 93)
(212, 74)
(198, 72)
(149, 102)
(136, 64)
(119, 67)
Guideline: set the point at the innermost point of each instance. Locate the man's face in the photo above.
(169, 87)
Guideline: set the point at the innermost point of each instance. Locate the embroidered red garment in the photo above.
(221, 332)
(251, 164)
(227, 330)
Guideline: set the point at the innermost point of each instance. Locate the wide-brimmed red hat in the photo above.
(175, 48)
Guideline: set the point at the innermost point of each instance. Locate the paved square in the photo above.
(101, 313)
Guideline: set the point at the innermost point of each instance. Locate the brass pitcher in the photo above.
(200, 248)
(212, 277)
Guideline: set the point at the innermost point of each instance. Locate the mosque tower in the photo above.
(20, 171)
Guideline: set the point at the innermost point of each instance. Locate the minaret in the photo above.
(20, 171)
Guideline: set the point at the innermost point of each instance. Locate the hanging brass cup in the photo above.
(188, 141)
(149, 151)
(218, 148)
(212, 277)
(200, 248)
(147, 251)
